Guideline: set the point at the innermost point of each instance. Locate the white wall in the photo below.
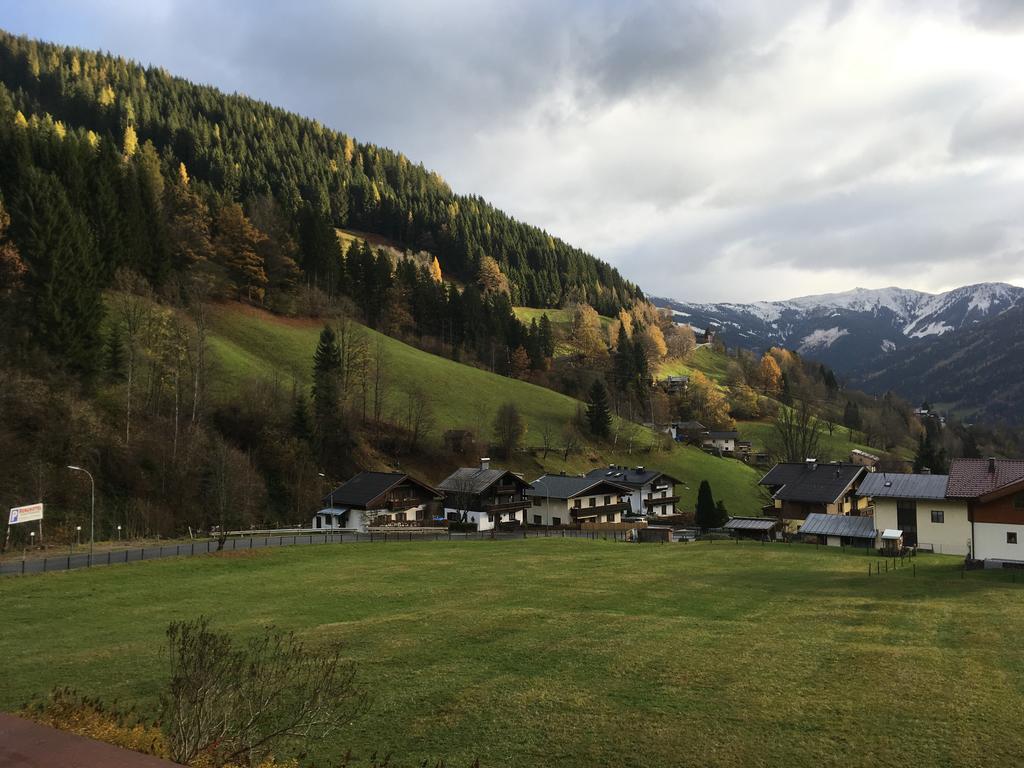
(948, 538)
(990, 542)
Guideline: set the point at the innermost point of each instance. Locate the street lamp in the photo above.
(119, 533)
(92, 529)
(331, 496)
(78, 535)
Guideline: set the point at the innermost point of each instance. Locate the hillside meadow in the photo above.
(248, 344)
(574, 652)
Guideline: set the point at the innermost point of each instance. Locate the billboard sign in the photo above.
(25, 514)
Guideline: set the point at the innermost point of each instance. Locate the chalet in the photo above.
(675, 385)
(864, 459)
(993, 490)
(372, 497)
(484, 496)
(721, 442)
(651, 492)
(804, 488)
(568, 500)
(916, 507)
(688, 431)
(839, 530)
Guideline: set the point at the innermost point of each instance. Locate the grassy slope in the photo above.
(578, 653)
(249, 344)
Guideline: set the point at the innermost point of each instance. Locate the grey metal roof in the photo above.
(568, 486)
(634, 477)
(723, 435)
(887, 485)
(812, 483)
(751, 523)
(839, 525)
(476, 480)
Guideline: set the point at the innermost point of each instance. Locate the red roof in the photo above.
(971, 478)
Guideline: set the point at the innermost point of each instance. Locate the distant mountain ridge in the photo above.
(894, 338)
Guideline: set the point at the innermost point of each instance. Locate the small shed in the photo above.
(752, 527)
(839, 530)
(892, 541)
(654, 534)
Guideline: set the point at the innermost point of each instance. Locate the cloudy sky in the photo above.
(711, 150)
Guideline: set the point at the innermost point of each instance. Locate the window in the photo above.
(400, 517)
(536, 501)
(538, 520)
(607, 500)
(577, 503)
(592, 501)
(1011, 537)
(1018, 501)
(556, 521)
(609, 518)
(938, 516)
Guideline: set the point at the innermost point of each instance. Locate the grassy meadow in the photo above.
(248, 344)
(577, 653)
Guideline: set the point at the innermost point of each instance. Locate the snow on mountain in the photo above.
(821, 338)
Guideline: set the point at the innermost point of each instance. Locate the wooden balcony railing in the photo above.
(604, 509)
(658, 502)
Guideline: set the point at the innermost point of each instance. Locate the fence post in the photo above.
(108, 561)
(913, 569)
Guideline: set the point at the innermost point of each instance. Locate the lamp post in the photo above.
(331, 497)
(78, 535)
(119, 533)
(92, 524)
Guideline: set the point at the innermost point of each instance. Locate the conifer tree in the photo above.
(598, 415)
(435, 270)
(706, 515)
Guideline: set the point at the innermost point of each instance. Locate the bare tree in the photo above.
(570, 441)
(233, 704)
(133, 309)
(509, 428)
(418, 416)
(547, 437)
(379, 370)
(797, 433)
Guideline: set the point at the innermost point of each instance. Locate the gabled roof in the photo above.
(974, 478)
(690, 426)
(366, 487)
(476, 480)
(812, 482)
(570, 486)
(723, 435)
(839, 525)
(886, 485)
(633, 477)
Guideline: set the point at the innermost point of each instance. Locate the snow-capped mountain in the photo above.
(845, 330)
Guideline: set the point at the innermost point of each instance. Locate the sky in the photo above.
(728, 150)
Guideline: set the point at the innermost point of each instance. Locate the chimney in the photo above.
(991, 465)
(811, 464)
(485, 463)
(926, 470)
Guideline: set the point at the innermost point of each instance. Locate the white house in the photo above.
(372, 497)
(568, 500)
(485, 497)
(993, 490)
(650, 492)
(723, 442)
(917, 506)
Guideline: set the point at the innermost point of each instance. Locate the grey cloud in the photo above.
(994, 15)
(993, 128)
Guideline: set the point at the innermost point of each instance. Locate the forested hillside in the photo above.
(241, 150)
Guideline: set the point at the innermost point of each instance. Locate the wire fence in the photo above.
(70, 562)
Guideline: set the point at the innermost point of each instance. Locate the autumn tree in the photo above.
(770, 374)
(490, 277)
(519, 366)
(435, 270)
(585, 333)
(681, 341)
(237, 246)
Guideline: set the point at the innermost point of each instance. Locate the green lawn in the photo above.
(834, 447)
(248, 344)
(578, 653)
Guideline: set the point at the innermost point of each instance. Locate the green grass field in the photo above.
(577, 653)
(248, 344)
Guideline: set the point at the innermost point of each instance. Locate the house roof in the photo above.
(723, 435)
(865, 454)
(476, 480)
(839, 525)
(751, 523)
(887, 485)
(366, 487)
(812, 482)
(633, 477)
(973, 478)
(690, 425)
(570, 486)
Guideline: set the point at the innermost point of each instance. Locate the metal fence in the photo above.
(69, 562)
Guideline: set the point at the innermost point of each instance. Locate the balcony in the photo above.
(604, 509)
(400, 504)
(507, 506)
(659, 502)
